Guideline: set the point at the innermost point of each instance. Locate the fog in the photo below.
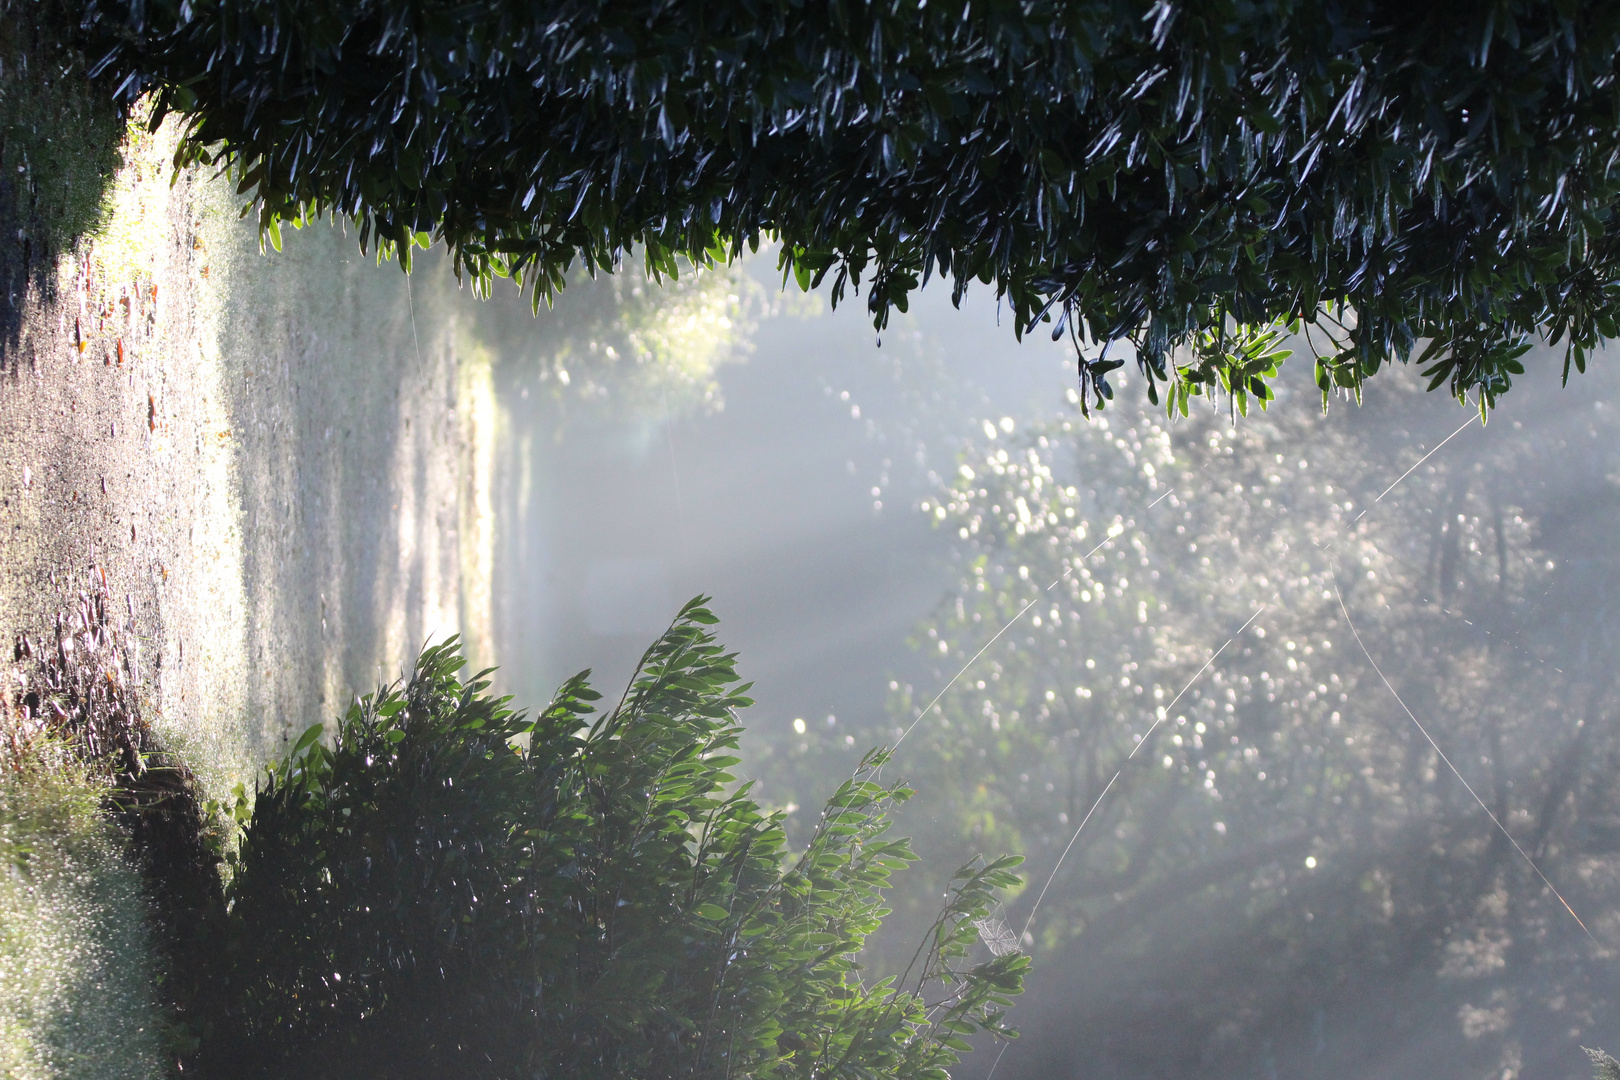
(1288, 879)
(789, 496)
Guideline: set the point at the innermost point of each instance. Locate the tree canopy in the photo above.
(1178, 181)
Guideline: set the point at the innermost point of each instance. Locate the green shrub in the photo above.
(451, 889)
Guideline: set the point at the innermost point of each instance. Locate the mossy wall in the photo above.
(77, 967)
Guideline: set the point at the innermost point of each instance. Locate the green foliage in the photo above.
(449, 888)
(1604, 1066)
(1123, 170)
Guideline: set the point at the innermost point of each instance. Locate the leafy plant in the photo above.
(450, 888)
(1132, 173)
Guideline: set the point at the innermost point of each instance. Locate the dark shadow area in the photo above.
(59, 150)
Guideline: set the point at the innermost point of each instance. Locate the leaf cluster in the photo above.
(450, 888)
(1126, 171)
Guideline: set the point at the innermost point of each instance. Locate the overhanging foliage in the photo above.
(1187, 177)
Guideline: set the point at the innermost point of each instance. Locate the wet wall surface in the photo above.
(261, 455)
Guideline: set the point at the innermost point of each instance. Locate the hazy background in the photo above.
(1288, 881)
(789, 496)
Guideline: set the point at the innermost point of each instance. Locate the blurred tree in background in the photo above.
(1180, 180)
(1285, 877)
(617, 346)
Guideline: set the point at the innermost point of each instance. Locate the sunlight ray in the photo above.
(1328, 548)
(1425, 733)
(1414, 468)
(1120, 771)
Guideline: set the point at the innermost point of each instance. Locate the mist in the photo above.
(783, 483)
(1288, 879)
